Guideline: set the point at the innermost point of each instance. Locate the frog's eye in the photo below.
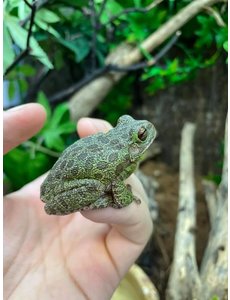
(142, 134)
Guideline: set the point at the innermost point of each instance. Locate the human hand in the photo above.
(79, 256)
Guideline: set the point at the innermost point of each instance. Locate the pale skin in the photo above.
(78, 256)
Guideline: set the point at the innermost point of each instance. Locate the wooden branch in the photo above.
(170, 27)
(184, 282)
(210, 197)
(150, 186)
(214, 267)
(111, 68)
(87, 99)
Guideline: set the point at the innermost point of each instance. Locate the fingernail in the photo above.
(101, 125)
(97, 125)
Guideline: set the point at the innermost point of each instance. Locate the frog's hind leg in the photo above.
(78, 195)
(102, 202)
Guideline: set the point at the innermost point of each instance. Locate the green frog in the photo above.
(90, 173)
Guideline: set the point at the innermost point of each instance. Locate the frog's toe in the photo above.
(135, 198)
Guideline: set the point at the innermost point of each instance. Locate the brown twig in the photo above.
(212, 12)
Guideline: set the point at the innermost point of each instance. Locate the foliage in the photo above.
(116, 103)
(33, 158)
(80, 34)
(57, 125)
(66, 26)
(16, 36)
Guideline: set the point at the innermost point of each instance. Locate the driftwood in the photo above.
(210, 197)
(87, 98)
(150, 186)
(214, 267)
(184, 282)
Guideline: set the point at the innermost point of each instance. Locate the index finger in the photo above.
(21, 123)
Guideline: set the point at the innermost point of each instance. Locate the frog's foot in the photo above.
(135, 198)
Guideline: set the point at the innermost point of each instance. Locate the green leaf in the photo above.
(79, 3)
(20, 168)
(11, 89)
(221, 36)
(58, 114)
(67, 127)
(225, 46)
(53, 140)
(173, 65)
(47, 16)
(112, 8)
(80, 47)
(58, 59)
(19, 36)
(42, 99)
(23, 85)
(10, 4)
(47, 27)
(23, 10)
(26, 70)
(40, 54)
(8, 53)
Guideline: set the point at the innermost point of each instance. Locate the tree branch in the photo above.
(171, 26)
(210, 197)
(113, 68)
(87, 98)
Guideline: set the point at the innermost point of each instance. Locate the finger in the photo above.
(130, 220)
(131, 227)
(88, 126)
(21, 123)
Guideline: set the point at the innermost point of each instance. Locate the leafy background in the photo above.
(64, 41)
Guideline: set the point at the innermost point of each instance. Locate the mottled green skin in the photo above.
(90, 173)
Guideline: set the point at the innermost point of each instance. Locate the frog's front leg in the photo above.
(121, 194)
(76, 195)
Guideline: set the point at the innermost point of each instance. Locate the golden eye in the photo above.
(142, 134)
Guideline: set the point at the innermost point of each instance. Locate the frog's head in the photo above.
(141, 135)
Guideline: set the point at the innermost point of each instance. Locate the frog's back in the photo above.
(95, 157)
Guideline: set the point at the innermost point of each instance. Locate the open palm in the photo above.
(79, 256)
